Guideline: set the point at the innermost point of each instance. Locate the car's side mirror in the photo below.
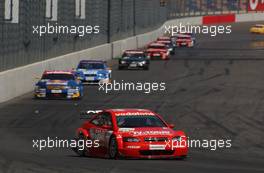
(107, 127)
(171, 126)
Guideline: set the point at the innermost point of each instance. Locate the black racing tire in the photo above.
(146, 68)
(79, 151)
(113, 148)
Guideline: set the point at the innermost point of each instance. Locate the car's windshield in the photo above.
(91, 66)
(58, 77)
(139, 121)
(157, 47)
(183, 37)
(133, 56)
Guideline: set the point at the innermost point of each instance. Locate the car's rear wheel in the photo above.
(113, 148)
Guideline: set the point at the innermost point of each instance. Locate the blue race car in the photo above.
(59, 84)
(94, 72)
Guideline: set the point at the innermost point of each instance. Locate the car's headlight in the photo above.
(123, 62)
(130, 139)
(101, 75)
(143, 62)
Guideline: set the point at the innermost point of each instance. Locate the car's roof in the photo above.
(134, 51)
(92, 61)
(164, 37)
(58, 72)
(163, 41)
(156, 44)
(129, 111)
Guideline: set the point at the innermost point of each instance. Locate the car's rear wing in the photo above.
(87, 115)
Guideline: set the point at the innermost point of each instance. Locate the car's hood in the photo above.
(57, 82)
(44, 83)
(146, 131)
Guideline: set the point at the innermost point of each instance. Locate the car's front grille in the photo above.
(156, 152)
(56, 87)
(56, 96)
(156, 139)
(90, 75)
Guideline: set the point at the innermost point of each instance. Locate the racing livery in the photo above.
(133, 59)
(94, 72)
(170, 45)
(257, 29)
(158, 51)
(131, 133)
(59, 84)
(184, 40)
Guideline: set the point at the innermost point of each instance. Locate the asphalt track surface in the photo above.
(209, 95)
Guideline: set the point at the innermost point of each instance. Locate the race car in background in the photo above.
(94, 72)
(59, 84)
(133, 59)
(257, 29)
(169, 44)
(157, 51)
(175, 36)
(130, 133)
(183, 40)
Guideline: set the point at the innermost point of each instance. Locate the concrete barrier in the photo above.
(16, 82)
(249, 17)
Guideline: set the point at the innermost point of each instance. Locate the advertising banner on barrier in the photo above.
(256, 5)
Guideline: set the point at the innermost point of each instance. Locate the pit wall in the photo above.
(19, 81)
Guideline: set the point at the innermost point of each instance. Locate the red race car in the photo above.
(164, 38)
(158, 51)
(184, 40)
(131, 133)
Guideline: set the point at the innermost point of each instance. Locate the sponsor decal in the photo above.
(157, 147)
(142, 133)
(126, 129)
(133, 113)
(256, 5)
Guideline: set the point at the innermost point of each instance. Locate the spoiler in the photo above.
(87, 115)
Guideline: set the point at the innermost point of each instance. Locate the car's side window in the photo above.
(98, 121)
(107, 119)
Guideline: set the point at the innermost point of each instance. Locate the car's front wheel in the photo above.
(81, 150)
(113, 148)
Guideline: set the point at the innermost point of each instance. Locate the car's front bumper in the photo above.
(133, 65)
(63, 94)
(132, 150)
(96, 81)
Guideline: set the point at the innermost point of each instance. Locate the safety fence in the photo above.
(21, 44)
